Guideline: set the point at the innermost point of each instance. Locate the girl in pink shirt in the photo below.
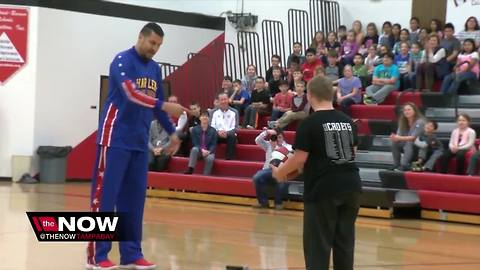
(466, 68)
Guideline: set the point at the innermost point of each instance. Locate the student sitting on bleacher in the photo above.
(224, 121)
(297, 52)
(430, 148)
(275, 64)
(359, 70)
(239, 98)
(433, 64)
(410, 80)
(404, 37)
(461, 142)
(310, 64)
(348, 92)
(260, 101)
(332, 71)
(385, 80)
(465, 69)
(157, 141)
(204, 141)
(402, 60)
(349, 49)
(282, 101)
(410, 126)
(274, 82)
(264, 177)
(300, 108)
(248, 81)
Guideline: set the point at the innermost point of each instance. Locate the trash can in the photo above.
(53, 163)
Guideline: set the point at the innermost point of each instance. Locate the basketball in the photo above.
(280, 156)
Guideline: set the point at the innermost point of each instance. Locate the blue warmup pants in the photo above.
(119, 185)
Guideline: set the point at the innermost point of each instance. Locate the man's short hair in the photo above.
(389, 55)
(358, 54)
(297, 43)
(237, 81)
(204, 113)
(332, 53)
(321, 88)
(449, 25)
(276, 68)
(260, 78)
(311, 51)
(227, 78)
(434, 123)
(302, 82)
(282, 82)
(152, 27)
(195, 103)
(342, 27)
(221, 94)
(276, 56)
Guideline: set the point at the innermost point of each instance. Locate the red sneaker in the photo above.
(140, 264)
(103, 265)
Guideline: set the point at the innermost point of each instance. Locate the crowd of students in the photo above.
(354, 60)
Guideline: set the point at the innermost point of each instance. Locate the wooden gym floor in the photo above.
(193, 235)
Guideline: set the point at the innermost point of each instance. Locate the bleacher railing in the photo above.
(248, 44)
(230, 61)
(324, 16)
(167, 68)
(273, 41)
(298, 28)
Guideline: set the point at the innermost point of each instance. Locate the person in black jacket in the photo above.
(204, 140)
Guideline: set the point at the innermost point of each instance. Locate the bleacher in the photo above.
(439, 196)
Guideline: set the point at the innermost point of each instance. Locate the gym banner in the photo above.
(13, 41)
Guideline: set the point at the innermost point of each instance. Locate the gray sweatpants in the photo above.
(430, 162)
(379, 92)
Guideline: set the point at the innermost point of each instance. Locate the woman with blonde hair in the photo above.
(410, 126)
(359, 34)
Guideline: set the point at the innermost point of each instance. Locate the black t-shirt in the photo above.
(334, 46)
(273, 86)
(263, 96)
(329, 137)
(269, 74)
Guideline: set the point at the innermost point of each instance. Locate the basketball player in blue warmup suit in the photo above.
(120, 177)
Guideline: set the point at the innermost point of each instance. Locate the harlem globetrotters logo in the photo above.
(76, 226)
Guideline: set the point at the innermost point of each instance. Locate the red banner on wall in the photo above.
(13, 41)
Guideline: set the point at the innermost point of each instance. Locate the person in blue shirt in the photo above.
(402, 60)
(120, 176)
(385, 80)
(240, 98)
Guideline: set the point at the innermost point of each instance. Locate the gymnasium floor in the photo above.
(191, 235)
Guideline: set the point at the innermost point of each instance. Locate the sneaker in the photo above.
(188, 171)
(103, 265)
(367, 100)
(260, 206)
(140, 264)
(272, 124)
(250, 127)
(279, 206)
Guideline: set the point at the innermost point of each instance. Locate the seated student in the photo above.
(462, 141)
(370, 39)
(239, 98)
(275, 81)
(248, 80)
(402, 59)
(157, 141)
(349, 49)
(193, 121)
(300, 108)
(359, 70)
(466, 68)
(181, 122)
(227, 86)
(297, 51)
(385, 80)
(451, 45)
(471, 30)
(331, 70)
(371, 59)
(204, 141)
(224, 121)
(409, 81)
(260, 100)
(297, 77)
(342, 33)
(387, 38)
(410, 127)
(331, 44)
(276, 60)
(436, 28)
(430, 148)
(414, 29)
(319, 71)
(310, 64)
(348, 90)
(433, 64)
(282, 102)
(318, 44)
(263, 178)
(404, 38)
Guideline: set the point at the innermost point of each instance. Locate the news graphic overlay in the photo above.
(77, 226)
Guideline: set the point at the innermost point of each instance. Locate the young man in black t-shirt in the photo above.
(325, 146)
